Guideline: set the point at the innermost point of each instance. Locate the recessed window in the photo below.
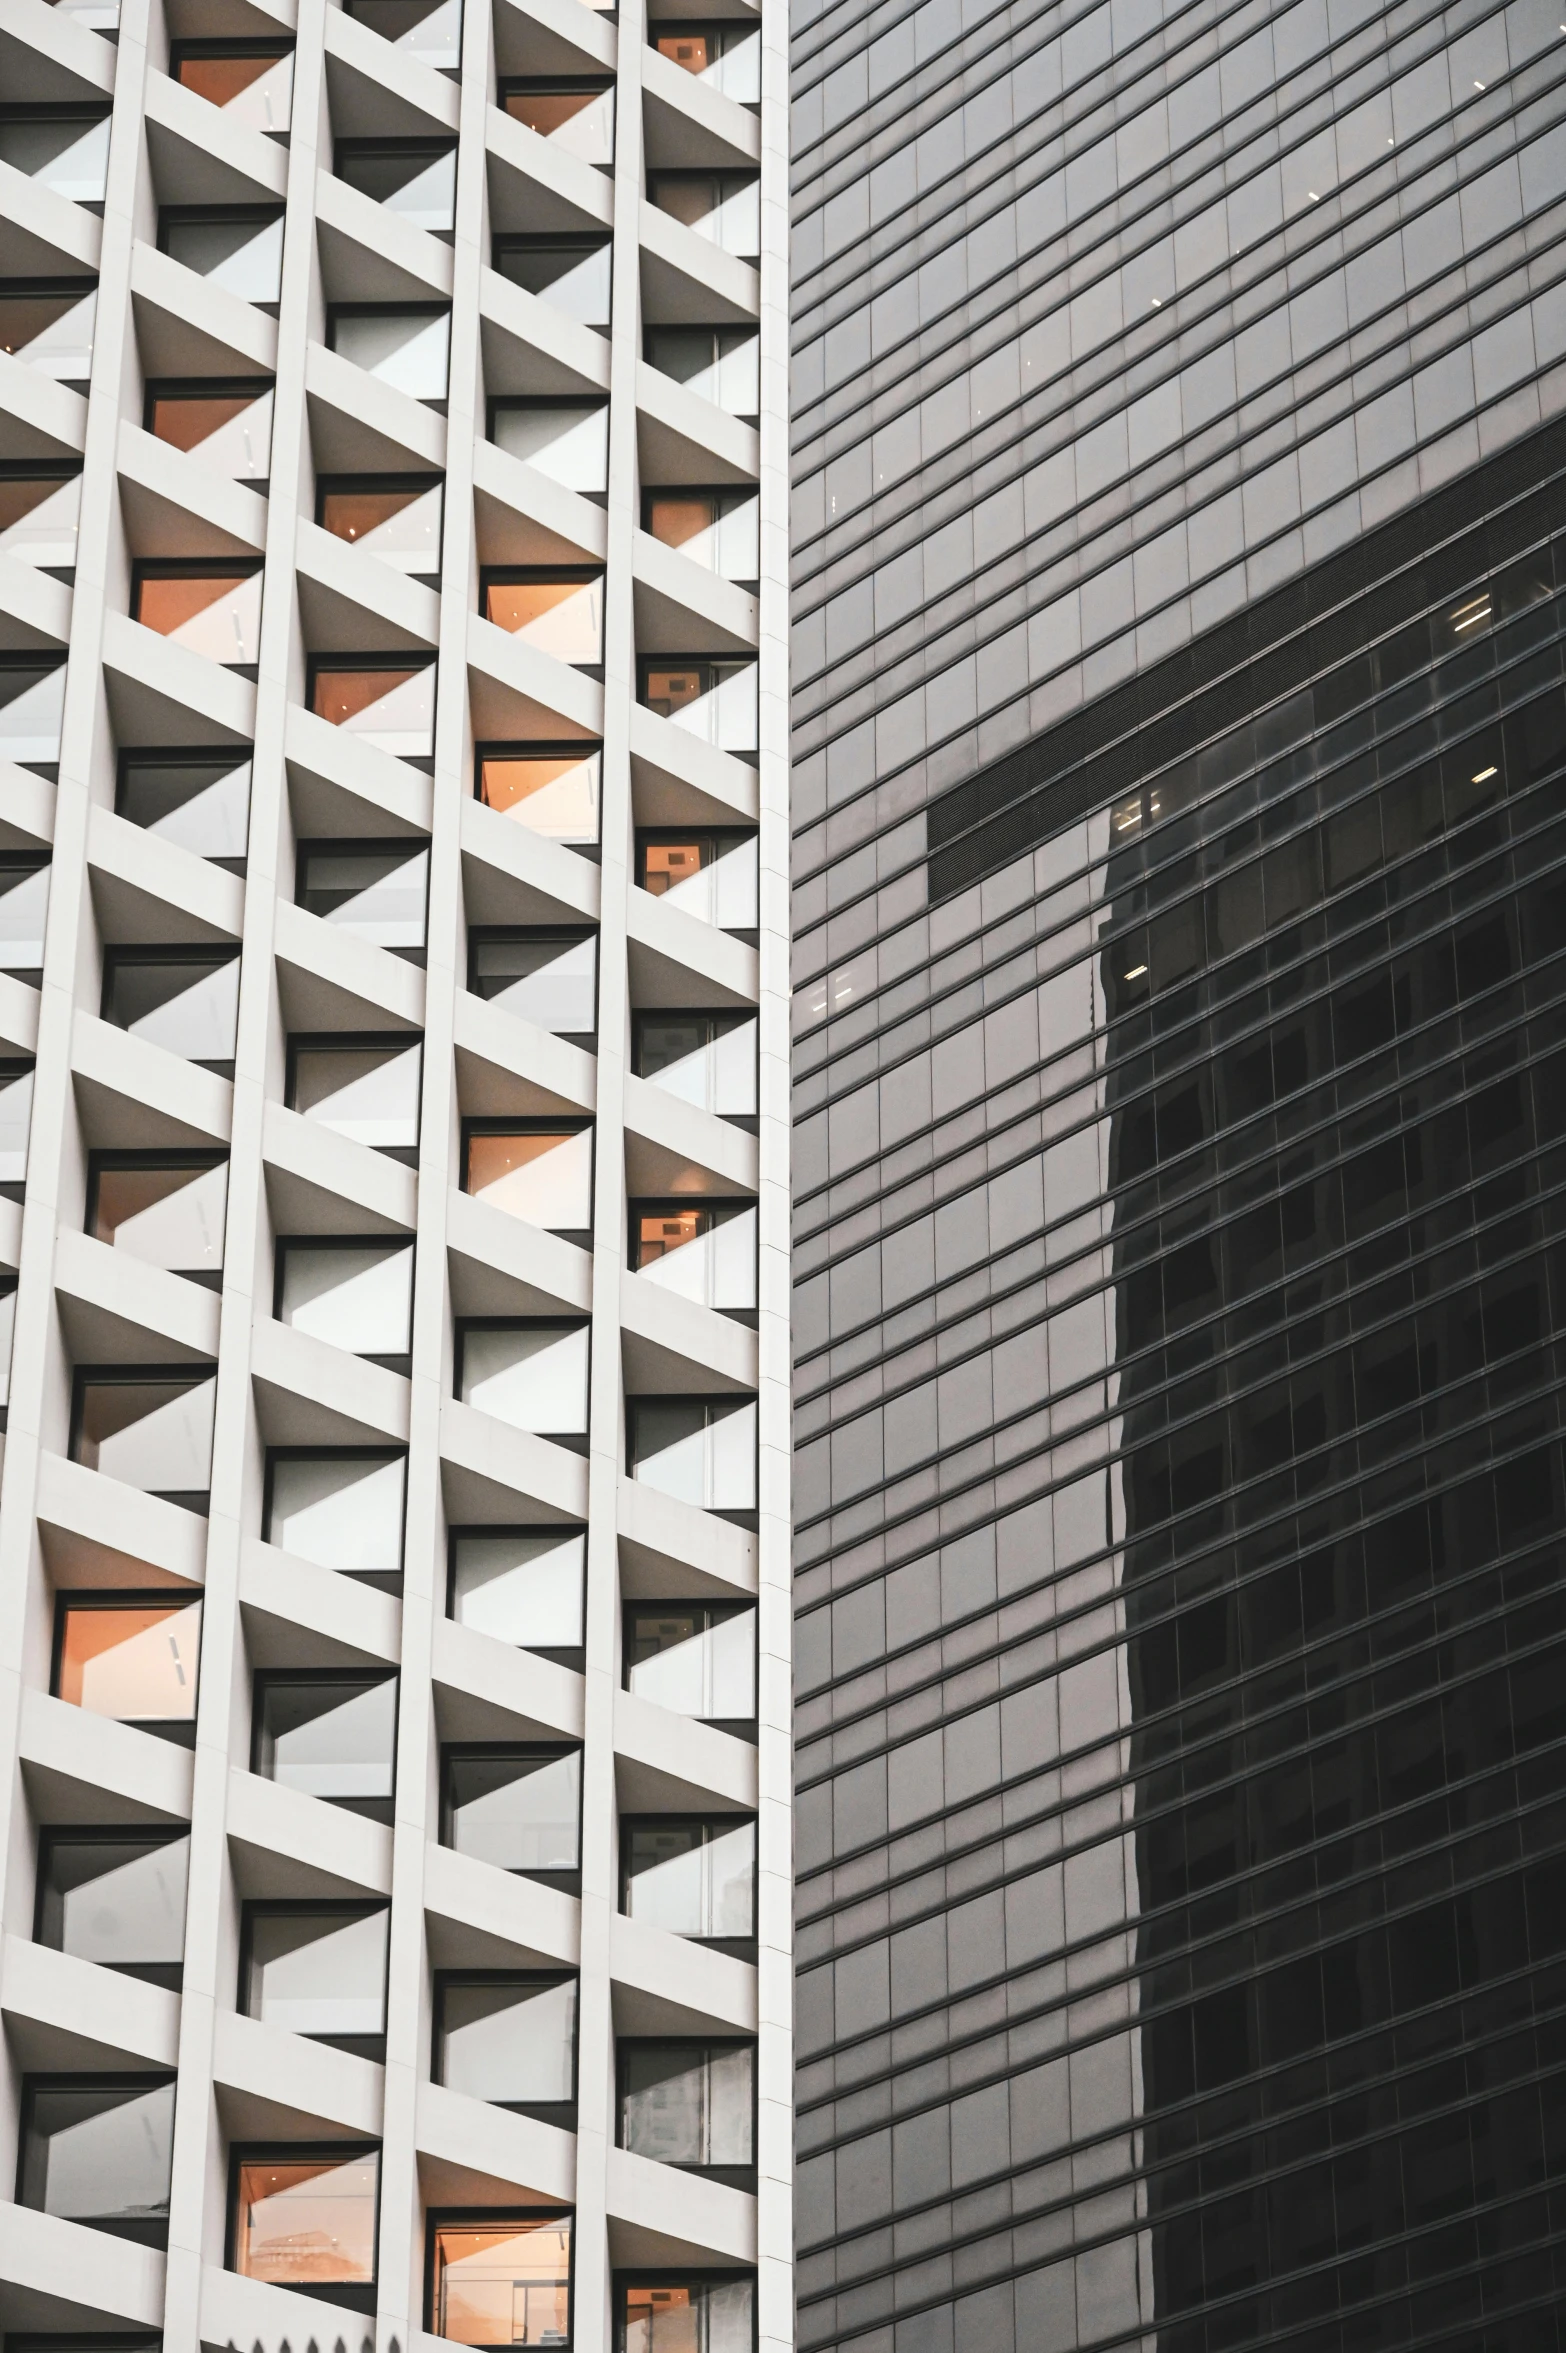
(714, 701)
(378, 891)
(547, 977)
(62, 148)
(704, 1251)
(131, 1656)
(718, 529)
(98, 2149)
(510, 2040)
(406, 346)
(699, 1450)
(518, 1808)
(328, 1736)
(165, 1208)
(557, 612)
(414, 179)
(568, 440)
(691, 2104)
(225, 424)
(694, 1658)
(318, 1970)
(720, 364)
(724, 208)
(550, 789)
(708, 1059)
(304, 2217)
(727, 57)
(364, 1088)
(427, 31)
(16, 1112)
(251, 81)
(185, 1000)
(387, 705)
(48, 323)
(523, 1586)
(115, 1897)
(664, 2313)
(39, 515)
(150, 1426)
(24, 909)
(572, 274)
(236, 248)
(501, 2279)
(340, 1507)
(395, 517)
(353, 1295)
(691, 1877)
(575, 114)
(200, 801)
(713, 876)
(214, 611)
(540, 1171)
(532, 1375)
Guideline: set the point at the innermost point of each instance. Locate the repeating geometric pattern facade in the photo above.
(394, 1603)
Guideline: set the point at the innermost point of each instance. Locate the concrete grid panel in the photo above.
(393, 1235)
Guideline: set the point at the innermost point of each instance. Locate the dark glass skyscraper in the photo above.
(1180, 1008)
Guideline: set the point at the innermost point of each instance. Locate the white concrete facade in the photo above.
(320, 1306)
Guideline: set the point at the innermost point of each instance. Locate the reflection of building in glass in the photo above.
(1180, 1084)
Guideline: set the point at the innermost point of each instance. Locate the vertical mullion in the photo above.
(199, 2191)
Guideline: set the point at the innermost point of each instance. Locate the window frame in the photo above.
(390, 1042)
(264, 1679)
(546, 934)
(105, 1376)
(624, 2277)
(439, 2218)
(738, 1727)
(573, 1657)
(364, 2046)
(738, 2177)
(381, 1580)
(149, 2231)
(574, 1441)
(131, 955)
(560, 2113)
(354, 2296)
(105, 1599)
(151, 1835)
(112, 1161)
(742, 1948)
(569, 1882)
(494, 1124)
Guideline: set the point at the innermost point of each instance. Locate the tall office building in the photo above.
(1180, 1098)
(393, 1529)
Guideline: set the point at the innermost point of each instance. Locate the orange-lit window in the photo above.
(547, 111)
(491, 1159)
(164, 605)
(668, 1230)
(676, 520)
(350, 514)
(669, 691)
(307, 2220)
(187, 419)
(220, 79)
(668, 863)
(693, 51)
(135, 1661)
(503, 2282)
(341, 695)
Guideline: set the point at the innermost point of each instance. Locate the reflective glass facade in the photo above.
(1180, 1102)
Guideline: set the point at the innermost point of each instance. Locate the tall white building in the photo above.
(393, 1528)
